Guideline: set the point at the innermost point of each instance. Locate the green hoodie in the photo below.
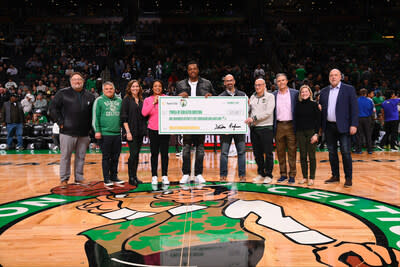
(106, 119)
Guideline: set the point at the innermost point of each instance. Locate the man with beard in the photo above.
(71, 109)
(194, 85)
(226, 139)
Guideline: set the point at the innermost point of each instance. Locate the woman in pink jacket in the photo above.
(158, 143)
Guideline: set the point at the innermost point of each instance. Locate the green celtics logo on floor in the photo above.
(222, 224)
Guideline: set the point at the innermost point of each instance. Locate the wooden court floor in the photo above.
(217, 224)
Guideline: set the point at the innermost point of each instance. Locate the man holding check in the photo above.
(193, 86)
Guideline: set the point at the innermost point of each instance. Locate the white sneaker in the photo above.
(258, 179)
(108, 183)
(165, 180)
(200, 179)
(267, 180)
(185, 179)
(154, 187)
(165, 187)
(154, 180)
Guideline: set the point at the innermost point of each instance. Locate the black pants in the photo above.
(261, 140)
(159, 143)
(364, 131)
(110, 146)
(306, 149)
(133, 161)
(198, 141)
(390, 128)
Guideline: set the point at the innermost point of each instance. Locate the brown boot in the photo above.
(348, 183)
(64, 183)
(332, 180)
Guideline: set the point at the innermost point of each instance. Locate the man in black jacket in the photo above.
(226, 139)
(13, 116)
(71, 109)
(193, 86)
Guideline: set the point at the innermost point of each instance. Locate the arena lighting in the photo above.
(387, 36)
(129, 39)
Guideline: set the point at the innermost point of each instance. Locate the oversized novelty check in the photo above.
(200, 115)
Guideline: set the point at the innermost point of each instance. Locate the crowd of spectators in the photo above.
(35, 65)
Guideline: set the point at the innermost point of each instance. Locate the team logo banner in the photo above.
(238, 224)
(200, 115)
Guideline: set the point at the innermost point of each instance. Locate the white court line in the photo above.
(144, 265)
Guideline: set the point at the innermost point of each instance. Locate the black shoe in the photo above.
(108, 182)
(348, 183)
(134, 181)
(282, 179)
(332, 180)
(117, 181)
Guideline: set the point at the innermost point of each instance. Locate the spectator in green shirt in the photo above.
(378, 100)
(91, 83)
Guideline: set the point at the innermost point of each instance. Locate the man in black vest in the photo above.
(12, 115)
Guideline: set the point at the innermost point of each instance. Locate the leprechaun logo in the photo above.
(222, 225)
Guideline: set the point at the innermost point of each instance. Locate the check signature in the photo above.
(219, 126)
(234, 126)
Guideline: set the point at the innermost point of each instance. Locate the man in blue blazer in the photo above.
(339, 122)
(285, 137)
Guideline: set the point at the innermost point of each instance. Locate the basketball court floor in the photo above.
(217, 224)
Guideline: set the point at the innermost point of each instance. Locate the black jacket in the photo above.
(73, 111)
(6, 112)
(204, 86)
(237, 93)
(132, 114)
(307, 116)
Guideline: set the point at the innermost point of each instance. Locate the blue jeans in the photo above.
(332, 137)
(241, 151)
(10, 133)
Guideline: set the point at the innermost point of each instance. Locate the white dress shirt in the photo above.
(333, 94)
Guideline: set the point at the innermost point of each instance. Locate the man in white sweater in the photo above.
(261, 121)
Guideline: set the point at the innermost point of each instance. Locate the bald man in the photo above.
(339, 122)
(226, 139)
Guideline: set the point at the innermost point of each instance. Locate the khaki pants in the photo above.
(286, 139)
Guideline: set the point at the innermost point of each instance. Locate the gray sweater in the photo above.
(261, 109)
